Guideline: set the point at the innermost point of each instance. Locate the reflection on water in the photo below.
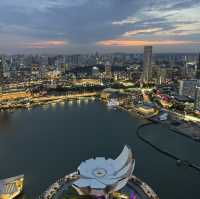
(53, 104)
(78, 102)
(45, 107)
(5, 119)
(62, 103)
(70, 102)
(86, 101)
(48, 143)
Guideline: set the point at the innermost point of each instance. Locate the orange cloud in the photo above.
(46, 44)
(131, 42)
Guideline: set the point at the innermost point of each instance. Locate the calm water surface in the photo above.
(48, 143)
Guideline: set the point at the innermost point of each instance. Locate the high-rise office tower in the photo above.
(95, 72)
(1, 68)
(188, 87)
(162, 75)
(191, 70)
(185, 69)
(198, 67)
(147, 73)
(199, 59)
(197, 98)
(108, 70)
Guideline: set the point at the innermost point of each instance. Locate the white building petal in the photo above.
(97, 185)
(125, 171)
(82, 183)
(102, 176)
(108, 181)
(123, 159)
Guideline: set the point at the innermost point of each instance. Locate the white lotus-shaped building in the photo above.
(102, 176)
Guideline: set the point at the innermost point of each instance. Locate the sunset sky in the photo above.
(81, 26)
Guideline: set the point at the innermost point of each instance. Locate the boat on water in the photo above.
(112, 103)
(163, 116)
(11, 187)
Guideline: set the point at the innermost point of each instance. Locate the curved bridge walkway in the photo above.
(167, 153)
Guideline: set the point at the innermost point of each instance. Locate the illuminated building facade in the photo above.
(11, 187)
(95, 72)
(198, 67)
(188, 87)
(1, 68)
(197, 98)
(108, 70)
(147, 73)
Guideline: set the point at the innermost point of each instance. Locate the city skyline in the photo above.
(80, 80)
(85, 26)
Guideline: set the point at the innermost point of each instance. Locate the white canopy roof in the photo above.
(101, 173)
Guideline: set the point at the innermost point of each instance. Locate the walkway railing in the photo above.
(55, 187)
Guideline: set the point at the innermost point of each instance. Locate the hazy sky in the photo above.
(79, 26)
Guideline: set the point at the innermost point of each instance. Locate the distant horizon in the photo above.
(94, 52)
(105, 50)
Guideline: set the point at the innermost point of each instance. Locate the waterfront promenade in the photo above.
(56, 190)
(31, 101)
(27, 101)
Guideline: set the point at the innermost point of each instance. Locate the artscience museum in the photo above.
(102, 178)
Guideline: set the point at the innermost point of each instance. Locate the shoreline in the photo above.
(41, 101)
(51, 99)
(170, 127)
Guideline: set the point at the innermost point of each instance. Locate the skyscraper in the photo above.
(95, 72)
(1, 68)
(198, 67)
(197, 98)
(199, 60)
(147, 73)
(188, 87)
(162, 75)
(108, 70)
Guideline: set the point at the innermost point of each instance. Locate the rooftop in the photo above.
(105, 176)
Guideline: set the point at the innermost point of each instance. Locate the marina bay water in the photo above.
(46, 143)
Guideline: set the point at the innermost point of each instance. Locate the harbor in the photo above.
(135, 102)
(49, 161)
(162, 116)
